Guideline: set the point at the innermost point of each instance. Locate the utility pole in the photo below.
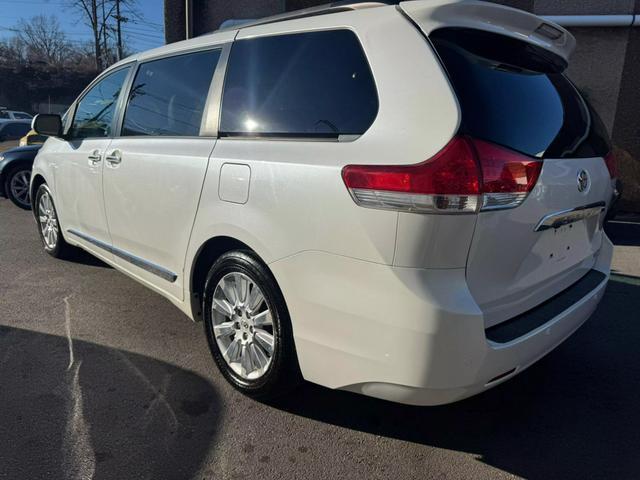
(105, 47)
(119, 20)
(93, 15)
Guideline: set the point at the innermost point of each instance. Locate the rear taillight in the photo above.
(450, 181)
(612, 164)
(466, 176)
(507, 176)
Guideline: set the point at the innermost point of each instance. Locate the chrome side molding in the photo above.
(129, 257)
(565, 217)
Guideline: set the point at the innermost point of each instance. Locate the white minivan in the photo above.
(402, 200)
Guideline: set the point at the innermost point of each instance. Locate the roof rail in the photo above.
(333, 7)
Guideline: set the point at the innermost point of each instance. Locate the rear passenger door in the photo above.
(293, 110)
(154, 170)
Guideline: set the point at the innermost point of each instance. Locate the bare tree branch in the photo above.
(102, 17)
(89, 10)
(43, 39)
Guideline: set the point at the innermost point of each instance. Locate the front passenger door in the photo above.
(79, 162)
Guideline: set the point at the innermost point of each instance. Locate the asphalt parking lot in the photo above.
(101, 378)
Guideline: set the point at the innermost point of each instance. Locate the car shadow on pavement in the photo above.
(83, 257)
(574, 414)
(73, 409)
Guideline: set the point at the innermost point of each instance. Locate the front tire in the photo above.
(49, 226)
(248, 327)
(16, 186)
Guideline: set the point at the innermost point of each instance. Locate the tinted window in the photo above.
(15, 130)
(314, 84)
(94, 115)
(22, 116)
(510, 96)
(4, 114)
(168, 95)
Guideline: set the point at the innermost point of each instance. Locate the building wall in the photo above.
(596, 67)
(212, 13)
(605, 65)
(626, 128)
(174, 20)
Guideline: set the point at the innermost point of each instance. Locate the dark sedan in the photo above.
(11, 131)
(15, 174)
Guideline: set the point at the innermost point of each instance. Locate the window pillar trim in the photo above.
(211, 116)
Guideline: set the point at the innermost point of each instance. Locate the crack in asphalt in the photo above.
(80, 457)
(67, 327)
(78, 452)
(159, 394)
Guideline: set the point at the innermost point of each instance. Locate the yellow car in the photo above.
(32, 138)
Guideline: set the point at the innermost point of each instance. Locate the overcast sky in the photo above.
(140, 34)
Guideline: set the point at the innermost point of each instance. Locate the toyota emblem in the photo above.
(583, 181)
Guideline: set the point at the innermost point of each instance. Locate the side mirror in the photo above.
(48, 124)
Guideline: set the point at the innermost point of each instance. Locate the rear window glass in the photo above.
(515, 101)
(315, 84)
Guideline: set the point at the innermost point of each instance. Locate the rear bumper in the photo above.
(408, 335)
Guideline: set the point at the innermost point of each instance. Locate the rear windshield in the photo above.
(512, 95)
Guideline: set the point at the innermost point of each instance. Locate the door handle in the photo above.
(94, 157)
(114, 158)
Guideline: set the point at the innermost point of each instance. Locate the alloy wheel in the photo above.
(19, 186)
(243, 325)
(48, 221)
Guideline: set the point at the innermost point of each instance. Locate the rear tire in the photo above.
(49, 226)
(248, 327)
(16, 186)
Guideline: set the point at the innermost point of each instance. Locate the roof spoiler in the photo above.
(432, 15)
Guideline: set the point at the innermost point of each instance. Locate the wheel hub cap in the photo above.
(48, 221)
(20, 187)
(243, 325)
